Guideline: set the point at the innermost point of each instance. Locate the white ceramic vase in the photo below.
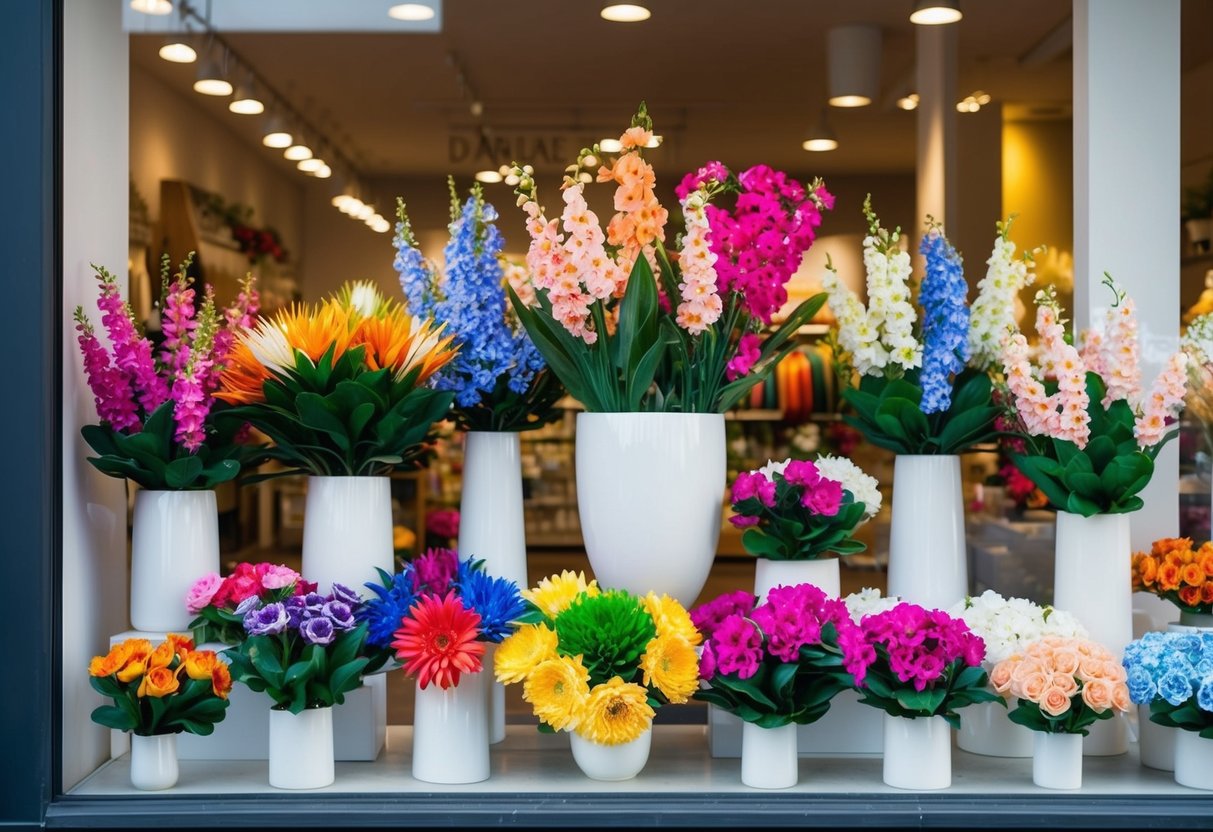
(1156, 743)
(491, 526)
(1193, 760)
(611, 763)
(301, 749)
(1057, 760)
(917, 752)
(650, 493)
(1091, 579)
(154, 762)
(451, 732)
(769, 756)
(928, 556)
(347, 531)
(986, 729)
(174, 542)
(822, 574)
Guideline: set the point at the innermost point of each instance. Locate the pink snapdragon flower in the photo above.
(112, 394)
(132, 353)
(1162, 406)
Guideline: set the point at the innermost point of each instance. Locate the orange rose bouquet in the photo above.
(1063, 685)
(1177, 572)
(167, 689)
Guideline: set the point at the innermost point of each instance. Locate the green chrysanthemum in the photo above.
(609, 632)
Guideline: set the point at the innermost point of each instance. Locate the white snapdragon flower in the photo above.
(993, 312)
(862, 486)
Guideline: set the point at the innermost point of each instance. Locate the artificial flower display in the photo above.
(924, 663)
(629, 326)
(219, 603)
(802, 510)
(868, 601)
(1176, 571)
(1010, 625)
(1172, 673)
(437, 614)
(781, 661)
(1062, 685)
(166, 689)
(340, 386)
(158, 425)
(499, 377)
(1089, 431)
(598, 662)
(923, 383)
(304, 649)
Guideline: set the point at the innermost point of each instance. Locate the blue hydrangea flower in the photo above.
(945, 321)
(1142, 689)
(1175, 687)
(391, 602)
(1204, 696)
(496, 600)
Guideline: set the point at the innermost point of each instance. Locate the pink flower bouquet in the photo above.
(1062, 685)
(779, 662)
(924, 663)
(220, 603)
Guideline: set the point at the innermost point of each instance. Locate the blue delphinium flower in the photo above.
(383, 613)
(496, 600)
(945, 321)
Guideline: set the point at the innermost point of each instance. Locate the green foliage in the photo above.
(154, 460)
(193, 708)
(510, 411)
(609, 631)
(887, 412)
(1106, 476)
(340, 418)
(1187, 716)
(788, 531)
(959, 687)
(1074, 721)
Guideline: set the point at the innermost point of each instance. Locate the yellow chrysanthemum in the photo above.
(671, 665)
(553, 595)
(558, 690)
(616, 712)
(671, 618)
(524, 650)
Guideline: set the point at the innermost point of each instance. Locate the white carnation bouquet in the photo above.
(1009, 625)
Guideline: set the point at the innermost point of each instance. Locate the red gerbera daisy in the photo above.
(437, 641)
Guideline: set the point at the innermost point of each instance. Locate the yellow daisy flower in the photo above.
(524, 650)
(553, 595)
(557, 690)
(671, 618)
(671, 665)
(616, 712)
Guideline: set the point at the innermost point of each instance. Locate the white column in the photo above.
(936, 83)
(1126, 194)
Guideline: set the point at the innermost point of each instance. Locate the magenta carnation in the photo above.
(920, 645)
(754, 484)
(823, 497)
(708, 617)
(738, 647)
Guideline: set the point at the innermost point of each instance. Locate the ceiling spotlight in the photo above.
(935, 12)
(156, 7)
(983, 98)
(245, 101)
(973, 103)
(854, 64)
(298, 151)
(351, 206)
(340, 200)
(488, 176)
(274, 133)
(411, 12)
(210, 80)
(821, 137)
(323, 172)
(624, 12)
(363, 211)
(908, 102)
(610, 145)
(374, 220)
(177, 50)
(310, 165)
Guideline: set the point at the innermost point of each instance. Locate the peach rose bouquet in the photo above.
(1063, 685)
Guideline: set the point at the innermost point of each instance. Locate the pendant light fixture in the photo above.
(854, 64)
(298, 151)
(245, 101)
(624, 12)
(310, 165)
(821, 137)
(411, 12)
(935, 12)
(177, 49)
(156, 7)
(274, 132)
(212, 77)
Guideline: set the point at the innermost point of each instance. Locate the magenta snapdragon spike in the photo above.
(236, 318)
(112, 392)
(132, 352)
(177, 322)
(191, 398)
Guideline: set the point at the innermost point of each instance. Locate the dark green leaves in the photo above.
(888, 414)
(958, 687)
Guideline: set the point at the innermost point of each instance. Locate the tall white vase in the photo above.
(1057, 760)
(650, 494)
(301, 749)
(928, 556)
(491, 525)
(611, 763)
(347, 531)
(174, 542)
(917, 752)
(154, 762)
(823, 574)
(1193, 760)
(451, 731)
(769, 757)
(1092, 580)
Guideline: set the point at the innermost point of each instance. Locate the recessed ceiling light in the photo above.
(488, 176)
(412, 12)
(908, 102)
(177, 51)
(821, 136)
(850, 101)
(625, 12)
(610, 146)
(310, 165)
(935, 12)
(297, 152)
(820, 145)
(152, 6)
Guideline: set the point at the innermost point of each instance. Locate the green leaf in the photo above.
(113, 717)
(901, 418)
(762, 545)
(317, 413)
(181, 472)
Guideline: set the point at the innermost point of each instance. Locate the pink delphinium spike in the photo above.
(1162, 406)
(132, 352)
(112, 394)
(701, 304)
(190, 394)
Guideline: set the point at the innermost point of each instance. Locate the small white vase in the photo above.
(928, 556)
(1156, 743)
(986, 729)
(301, 749)
(917, 752)
(1193, 760)
(822, 574)
(347, 531)
(611, 763)
(174, 542)
(650, 494)
(154, 762)
(451, 731)
(492, 528)
(1057, 760)
(1091, 580)
(769, 757)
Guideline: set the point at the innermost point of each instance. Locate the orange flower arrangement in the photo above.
(1177, 572)
(191, 685)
